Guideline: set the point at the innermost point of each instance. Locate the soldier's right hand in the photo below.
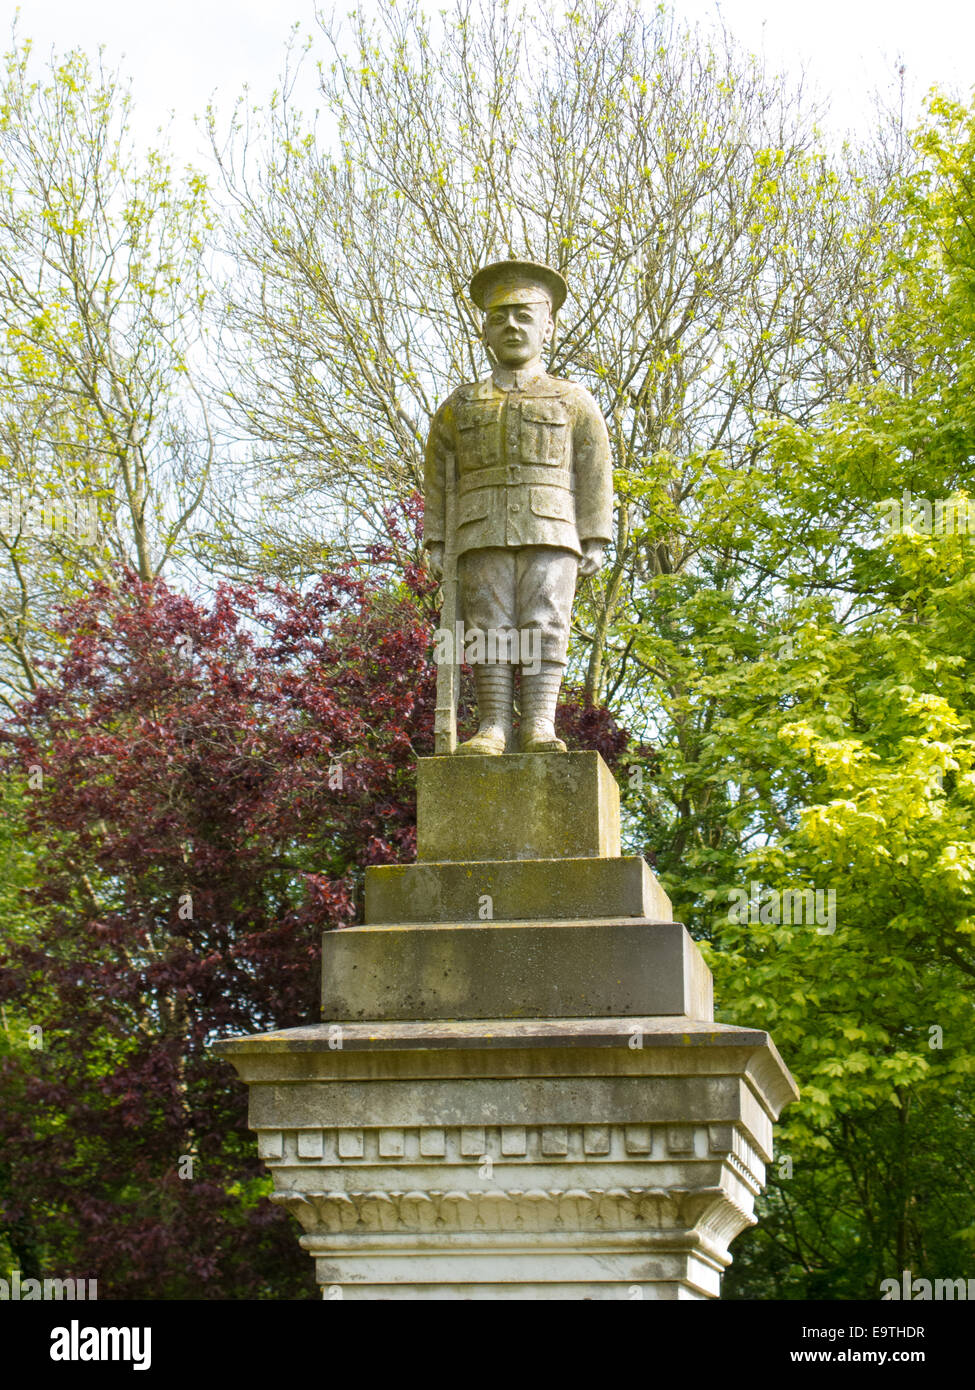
(435, 560)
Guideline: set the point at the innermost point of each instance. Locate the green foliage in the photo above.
(780, 337)
(106, 445)
(813, 691)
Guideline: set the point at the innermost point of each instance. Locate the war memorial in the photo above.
(517, 1089)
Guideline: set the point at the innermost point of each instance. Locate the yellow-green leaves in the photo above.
(103, 429)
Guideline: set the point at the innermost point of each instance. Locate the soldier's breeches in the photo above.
(520, 599)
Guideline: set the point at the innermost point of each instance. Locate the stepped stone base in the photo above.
(519, 970)
(517, 1091)
(514, 890)
(596, 1159)
(522, 837)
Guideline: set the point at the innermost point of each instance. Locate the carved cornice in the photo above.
(709, 1218)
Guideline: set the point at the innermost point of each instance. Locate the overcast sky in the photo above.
(180, 52)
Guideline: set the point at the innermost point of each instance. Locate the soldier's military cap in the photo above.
(517, 282)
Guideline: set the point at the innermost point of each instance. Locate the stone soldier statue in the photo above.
(533, 506)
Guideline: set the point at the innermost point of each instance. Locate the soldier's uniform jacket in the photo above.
(533, 465)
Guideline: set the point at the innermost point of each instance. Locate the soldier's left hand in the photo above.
(592, 558)
(435, 559)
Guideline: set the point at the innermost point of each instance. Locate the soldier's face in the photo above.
(516, 333)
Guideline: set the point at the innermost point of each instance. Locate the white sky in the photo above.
(181, 51)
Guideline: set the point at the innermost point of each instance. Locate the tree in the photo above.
(209, 782)
(106, 440)
(720, 266)
(833, 720)
(779, 336)
(202, 788)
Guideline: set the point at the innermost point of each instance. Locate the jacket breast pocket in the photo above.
(553, 502)
(544, 432)
(477, 433)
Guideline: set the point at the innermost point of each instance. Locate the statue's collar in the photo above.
(509, 379)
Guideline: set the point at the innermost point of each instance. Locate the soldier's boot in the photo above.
(539, 696)
(495, 694)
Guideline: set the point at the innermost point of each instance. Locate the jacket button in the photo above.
(516, 506)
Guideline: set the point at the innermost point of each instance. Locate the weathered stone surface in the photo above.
(526, 806)
(521, 971)
(514, 890)
(518, 505)
(518, 1091)
(498, 1159)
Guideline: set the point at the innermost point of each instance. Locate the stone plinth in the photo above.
(596, 1159)
(524, 837)
(520, 806)
(518, 969)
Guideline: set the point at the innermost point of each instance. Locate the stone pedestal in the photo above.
(524, 1097)
(586, 969)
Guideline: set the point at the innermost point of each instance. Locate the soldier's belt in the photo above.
(514, 475)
